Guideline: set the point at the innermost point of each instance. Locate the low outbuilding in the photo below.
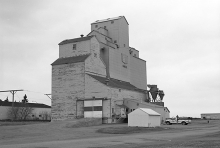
(37, 111)
(144, 117)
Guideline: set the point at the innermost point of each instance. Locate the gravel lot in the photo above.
(199, 134)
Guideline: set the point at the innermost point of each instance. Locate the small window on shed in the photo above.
(96, 26)
(74, 46)
(112, 22)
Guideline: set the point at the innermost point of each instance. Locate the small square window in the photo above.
(115, 41)
(112, 22)
(74, 46)
(96, 26)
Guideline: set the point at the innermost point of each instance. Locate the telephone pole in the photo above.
(13, 94)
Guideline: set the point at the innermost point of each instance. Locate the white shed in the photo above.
(144, 117)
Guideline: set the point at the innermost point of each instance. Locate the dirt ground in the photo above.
(198, 134)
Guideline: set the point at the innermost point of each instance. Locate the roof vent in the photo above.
(81, 35)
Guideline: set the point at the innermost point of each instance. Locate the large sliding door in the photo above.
(93, 108)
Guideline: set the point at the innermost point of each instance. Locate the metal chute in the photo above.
(161, 94)
(153, 91)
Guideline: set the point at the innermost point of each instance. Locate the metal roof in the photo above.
(122, 106)
(116, 83)
(110, 19)
(69, 60)
(75, 40)
(150, 111)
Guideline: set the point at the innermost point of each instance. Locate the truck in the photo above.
(183, 121)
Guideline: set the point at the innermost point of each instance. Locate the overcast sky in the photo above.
(180, 40)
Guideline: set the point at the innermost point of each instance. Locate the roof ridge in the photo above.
(73, 59)
(110, 19)
(151, 111)
(75, 40)
(76, 56)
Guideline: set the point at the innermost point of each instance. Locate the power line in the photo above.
(48, 95)
(18, 96)
(34, 92)
(5, 95)
(13, 94)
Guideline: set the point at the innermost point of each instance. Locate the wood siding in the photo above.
(67, 86)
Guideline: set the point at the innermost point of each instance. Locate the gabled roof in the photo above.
(149, 111)
(110, 19)
(19, 104)
(106, 38)
(69, 60)
(116, 83)
(75, 40)
(98, 33)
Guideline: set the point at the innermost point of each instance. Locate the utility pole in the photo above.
(13, 93)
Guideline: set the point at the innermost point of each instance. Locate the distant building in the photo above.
(210, 116)
(39, 111)
(95, 73)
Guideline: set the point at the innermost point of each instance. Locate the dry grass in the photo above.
(10, 123)
(84, 123)
(30, 132)
(129, 130)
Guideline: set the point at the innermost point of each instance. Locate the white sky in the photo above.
(180, 40)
